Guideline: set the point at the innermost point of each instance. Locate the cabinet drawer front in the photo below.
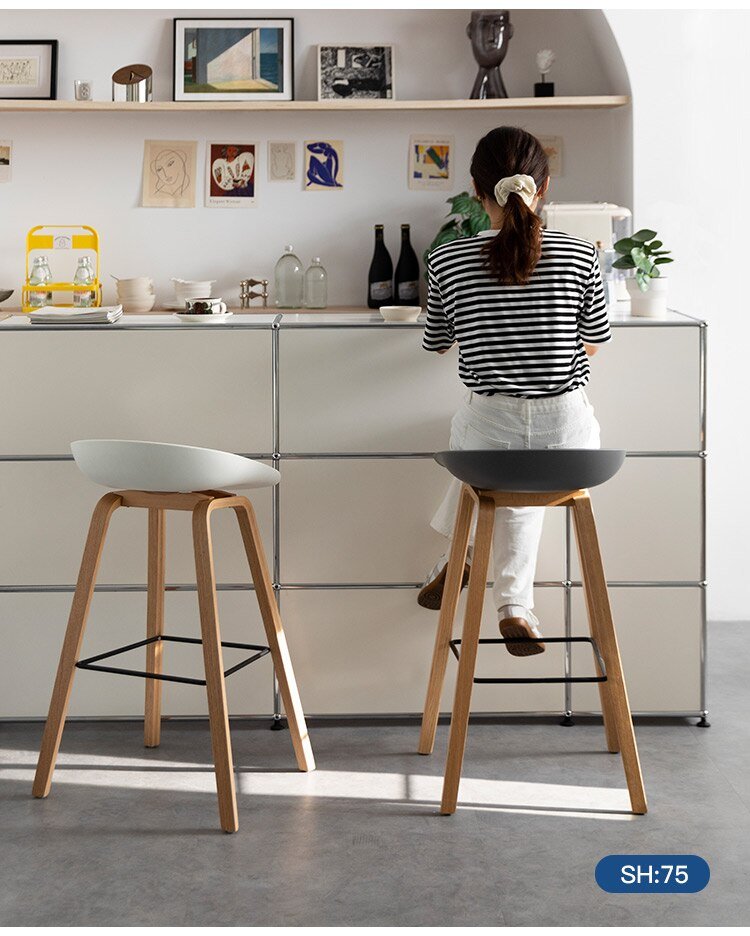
(659, 633)
(361, 520)
(212, 390)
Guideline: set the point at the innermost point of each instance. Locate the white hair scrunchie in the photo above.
(522, 185)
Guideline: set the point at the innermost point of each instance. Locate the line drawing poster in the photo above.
(169, 173)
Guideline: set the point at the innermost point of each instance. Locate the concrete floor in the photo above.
(130, 837)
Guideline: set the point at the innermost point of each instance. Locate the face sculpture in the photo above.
(490, 32)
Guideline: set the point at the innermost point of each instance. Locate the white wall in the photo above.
(691, 132)
(87, 167)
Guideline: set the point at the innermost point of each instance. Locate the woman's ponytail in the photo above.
(503, 153)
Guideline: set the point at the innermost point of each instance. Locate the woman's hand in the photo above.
(590, 349)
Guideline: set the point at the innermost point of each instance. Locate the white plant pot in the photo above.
(649, 304)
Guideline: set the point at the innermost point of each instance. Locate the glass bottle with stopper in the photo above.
(84, 276)
(316, 285)
(289, 280)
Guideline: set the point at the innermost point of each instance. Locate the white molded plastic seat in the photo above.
(161, 466)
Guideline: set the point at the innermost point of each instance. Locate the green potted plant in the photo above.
(648, 288)
(466, 218)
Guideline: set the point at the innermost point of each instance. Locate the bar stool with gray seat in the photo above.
(160, 477)
(526, 478)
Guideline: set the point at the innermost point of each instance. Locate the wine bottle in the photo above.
(380, 277)
(406, 282)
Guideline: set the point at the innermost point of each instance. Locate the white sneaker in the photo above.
(431, 593)
(520, 625)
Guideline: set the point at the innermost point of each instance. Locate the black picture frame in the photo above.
(53, 47)
(289, 20)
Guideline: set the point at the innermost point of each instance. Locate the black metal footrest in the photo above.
(455, 644)
(91, 662)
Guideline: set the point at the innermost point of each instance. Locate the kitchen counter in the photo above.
(350, 409)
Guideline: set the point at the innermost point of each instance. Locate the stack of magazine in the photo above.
(58, 315)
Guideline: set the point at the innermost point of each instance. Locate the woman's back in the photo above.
(520, 340)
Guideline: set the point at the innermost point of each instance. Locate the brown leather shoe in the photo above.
(431, 593)
(519, 627)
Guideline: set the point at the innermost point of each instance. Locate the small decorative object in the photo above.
(466, 218)
(133, 83)
(282, 161)
(490, 32)
(169, 174)
(356, 71)
(552, 146)
(289, 280)
(324, 167)
(28, 70)
(6, 150)
(230, 176)
(249, 294)
(316, 285)
(430, 162)
(5, 294)
(648, 289)
(83, 89)
(544, 60)
(233, 59)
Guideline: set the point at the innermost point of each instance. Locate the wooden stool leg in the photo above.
(72, 644)
(282, 661)
(212, 658)
(469, 645)
(448, 606)
(603, 631)
(154, 624)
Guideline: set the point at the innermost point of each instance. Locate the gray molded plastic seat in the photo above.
(533, 470)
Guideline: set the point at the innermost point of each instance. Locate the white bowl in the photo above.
(400, 313)
(138, 306)
(135, 282)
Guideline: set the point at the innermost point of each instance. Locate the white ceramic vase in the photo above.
(649, 304)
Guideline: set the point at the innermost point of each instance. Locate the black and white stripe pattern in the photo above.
(522, 341)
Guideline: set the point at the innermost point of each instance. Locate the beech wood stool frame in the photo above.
(618, 723)
(202, 504)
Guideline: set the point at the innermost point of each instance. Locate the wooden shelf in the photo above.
(531, 103)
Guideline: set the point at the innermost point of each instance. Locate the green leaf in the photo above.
(625, 245)
(463, 203)
(664, 260)
(643, 235)
(660, 253)
(655, 245)
(623, 263)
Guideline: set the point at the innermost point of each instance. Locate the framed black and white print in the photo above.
(355, 71)
(230, 59)
(28, 69)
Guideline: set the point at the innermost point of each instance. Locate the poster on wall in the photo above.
(230, 175)
(6, 160)
(324, 165)
(169, 174)
(361, 71)
(430, 162)
(553, 146)
(282, 161)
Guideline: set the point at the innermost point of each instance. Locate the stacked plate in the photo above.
(191, 289)
(136, 294)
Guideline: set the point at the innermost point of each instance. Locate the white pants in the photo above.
(504, 422)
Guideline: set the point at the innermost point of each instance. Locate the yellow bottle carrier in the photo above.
(57, 239)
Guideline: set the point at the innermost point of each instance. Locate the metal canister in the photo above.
(132, 83)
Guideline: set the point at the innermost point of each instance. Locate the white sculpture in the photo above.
(544, 60)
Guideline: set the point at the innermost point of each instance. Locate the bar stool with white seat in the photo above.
(526, 478)
(159, 477)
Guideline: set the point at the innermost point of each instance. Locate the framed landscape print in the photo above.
(28, 69)
(355, 71)
(233, 59)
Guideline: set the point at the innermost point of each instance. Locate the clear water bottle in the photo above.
(40, 275)
(289, 279)
(84, 276)
(316, 285)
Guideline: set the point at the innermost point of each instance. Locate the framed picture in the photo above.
(28, 69)
(233, 59)
(355, 71)
(430, 162)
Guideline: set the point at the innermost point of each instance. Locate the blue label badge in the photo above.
(652, 874)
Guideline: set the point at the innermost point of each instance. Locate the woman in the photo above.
(526, 307)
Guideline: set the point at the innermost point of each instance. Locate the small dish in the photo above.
(192, 319)
(400, 313)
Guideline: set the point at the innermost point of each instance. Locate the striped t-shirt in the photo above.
(522, 341)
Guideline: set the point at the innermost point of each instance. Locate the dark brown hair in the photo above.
(506, 151)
